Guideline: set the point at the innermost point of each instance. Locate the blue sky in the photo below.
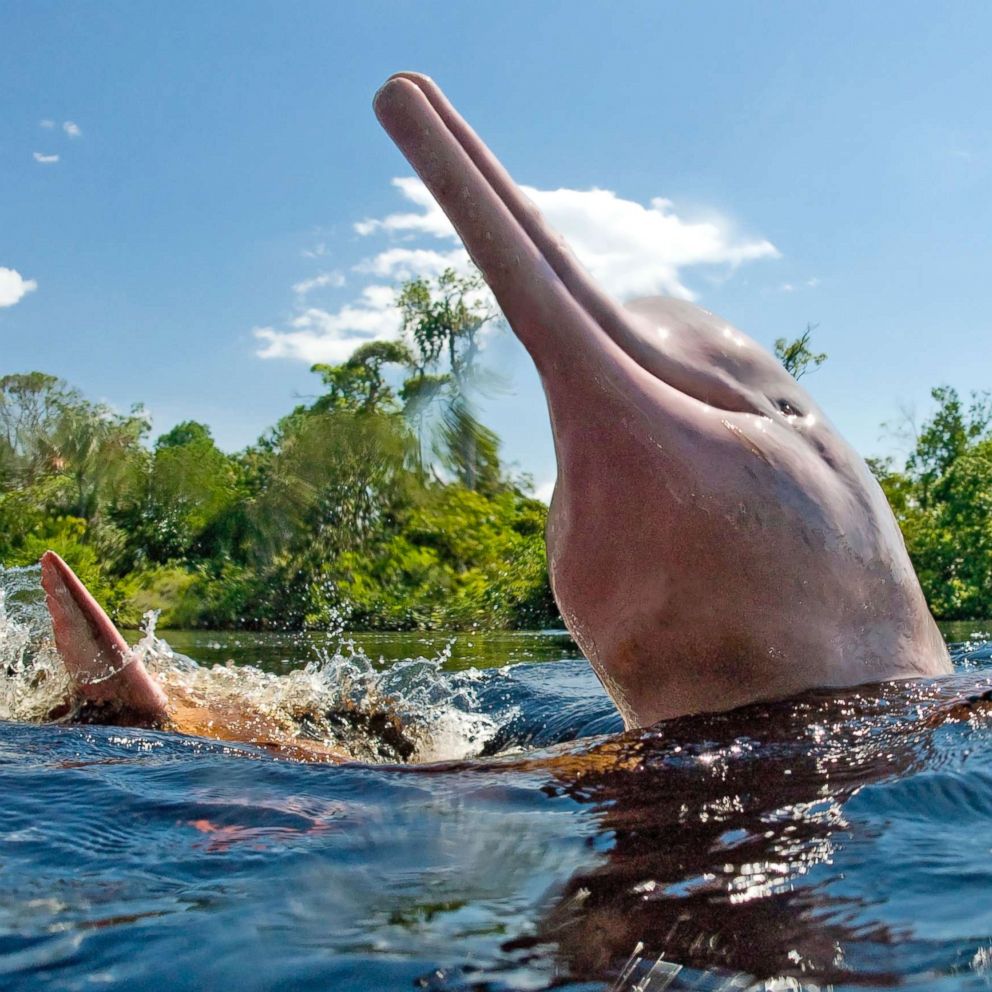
(782, 163)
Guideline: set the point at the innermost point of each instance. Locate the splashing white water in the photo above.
(33, 681)
(410, 710)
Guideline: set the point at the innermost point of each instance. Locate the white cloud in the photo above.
(317, 335)
(791, 287)
(430, 220)
(46, 124)
(72, 129)
(14, 287)
(630, 248)
(412, 263)
(324, 279)
(545, 490)
(45, 159)
(636, 250)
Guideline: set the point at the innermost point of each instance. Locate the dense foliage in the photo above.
(382, 504)
(942, 498)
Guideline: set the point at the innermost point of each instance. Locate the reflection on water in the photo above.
(279, 652)
(840, 840)
(974, 633)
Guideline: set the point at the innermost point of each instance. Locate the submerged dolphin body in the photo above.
(712, 540)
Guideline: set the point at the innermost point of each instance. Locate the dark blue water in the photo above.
(840, 840)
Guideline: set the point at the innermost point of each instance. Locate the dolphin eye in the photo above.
(788, 409)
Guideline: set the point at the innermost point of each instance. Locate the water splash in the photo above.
(33, 682)
(411, 710)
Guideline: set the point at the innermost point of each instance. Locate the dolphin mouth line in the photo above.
(587, 301)
(451, 128)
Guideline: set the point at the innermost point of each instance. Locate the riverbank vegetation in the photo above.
(942, 498)
(383, 502)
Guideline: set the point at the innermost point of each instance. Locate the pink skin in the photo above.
(712, 540)
(99, 661)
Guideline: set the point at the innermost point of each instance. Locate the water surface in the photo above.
(839, 840)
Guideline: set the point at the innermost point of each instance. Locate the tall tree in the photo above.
(359, 384)
(95, 448)
(31, 404)
(796, 356)
(188, 484)
(947, 435)
(443, 320)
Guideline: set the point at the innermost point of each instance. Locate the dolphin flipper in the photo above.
(118, 689)
(105, 671)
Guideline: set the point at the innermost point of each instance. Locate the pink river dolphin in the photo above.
(712, 540)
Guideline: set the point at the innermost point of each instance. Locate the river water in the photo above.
(840, 840)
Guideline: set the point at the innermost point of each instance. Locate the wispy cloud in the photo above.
(401, 264)
(45, 159)
(333, 279)
(72, 129)
(632, 249)
(545, 490)
(14, 287)
(46, 124)
(641, 250)
(791, 287)
(430, 219)
(316, 335)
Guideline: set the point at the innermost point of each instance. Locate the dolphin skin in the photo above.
(104, 670)
(712, 540)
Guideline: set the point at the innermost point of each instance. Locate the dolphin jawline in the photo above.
(556, 309)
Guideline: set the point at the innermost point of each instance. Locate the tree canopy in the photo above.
(797, 357)
(382, 502)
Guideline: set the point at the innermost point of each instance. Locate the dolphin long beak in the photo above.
(576, 333)
(552, 304)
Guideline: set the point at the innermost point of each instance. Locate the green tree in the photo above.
(796, 356)
(31, 404)
(950, 540)
(459, 558)
(443, 320)
(98, 451)
(336, 482)
(946, 436)
(359, 384)
(469, 449)
(187, 486)
(943, 503)
(325, 517)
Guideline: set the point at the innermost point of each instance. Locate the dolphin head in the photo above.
(712, 540)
